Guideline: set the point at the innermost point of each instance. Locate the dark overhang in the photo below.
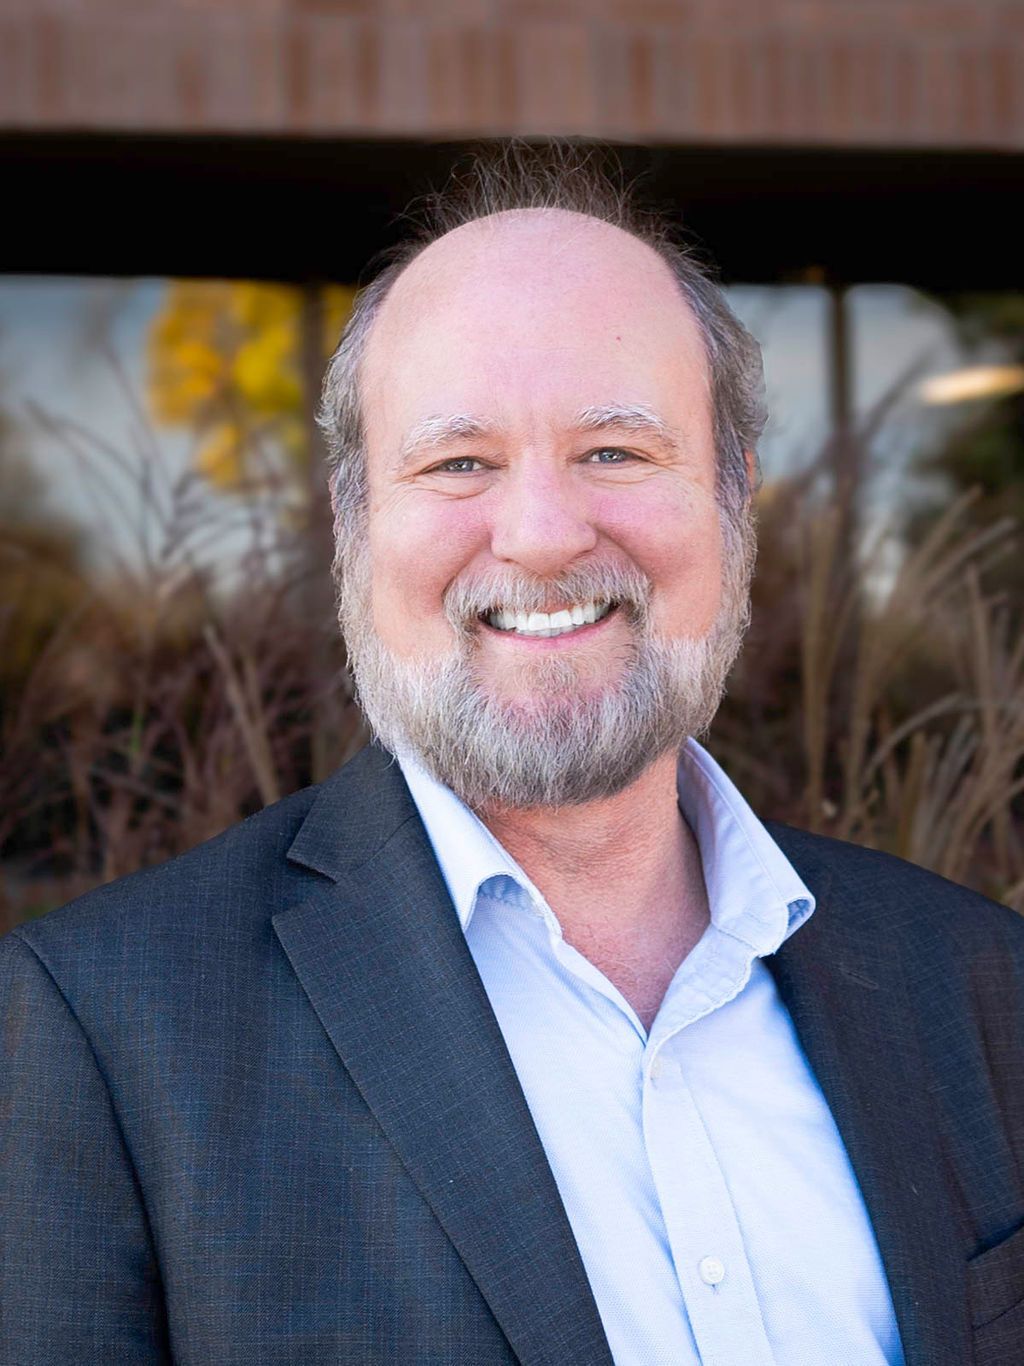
(311, 209)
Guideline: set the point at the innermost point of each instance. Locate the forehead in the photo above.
(528, 313)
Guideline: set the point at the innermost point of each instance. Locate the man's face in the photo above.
(541, 473)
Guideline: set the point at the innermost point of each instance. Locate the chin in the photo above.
(558, 702)
(555, 678)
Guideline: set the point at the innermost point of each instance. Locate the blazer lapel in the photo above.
(841, 979)
(381, 955)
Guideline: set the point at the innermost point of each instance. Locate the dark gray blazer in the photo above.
(255, 1108)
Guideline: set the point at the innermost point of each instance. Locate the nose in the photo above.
(541, 522)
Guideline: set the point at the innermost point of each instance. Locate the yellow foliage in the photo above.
(224, 359)
(338, 301)
(262, 373)
(220, 458)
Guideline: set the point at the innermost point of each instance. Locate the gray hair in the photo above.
(514, 177)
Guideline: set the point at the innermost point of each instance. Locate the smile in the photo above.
(549, 623)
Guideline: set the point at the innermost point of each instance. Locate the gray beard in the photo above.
(567, 744)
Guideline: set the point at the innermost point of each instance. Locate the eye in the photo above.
(610, 455)
(463, 464)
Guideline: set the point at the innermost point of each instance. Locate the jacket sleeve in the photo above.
(79, 1281)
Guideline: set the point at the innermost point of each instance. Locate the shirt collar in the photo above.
(466, 850)
(754, 892)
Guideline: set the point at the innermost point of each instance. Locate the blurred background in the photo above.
(194, 193)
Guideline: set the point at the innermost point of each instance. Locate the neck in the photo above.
(623, 876)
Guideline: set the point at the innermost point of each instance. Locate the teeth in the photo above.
(549, 623)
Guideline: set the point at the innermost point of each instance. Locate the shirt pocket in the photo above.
(995, 1293)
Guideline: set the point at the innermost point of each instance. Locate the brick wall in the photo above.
(936, 73)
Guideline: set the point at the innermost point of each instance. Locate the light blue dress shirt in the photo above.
(711, 1197)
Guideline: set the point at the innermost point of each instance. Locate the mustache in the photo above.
(466, 600)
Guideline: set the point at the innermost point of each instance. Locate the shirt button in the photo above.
(712, 1272)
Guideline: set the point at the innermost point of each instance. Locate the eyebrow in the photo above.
(445, 430)
(635, 418)
(437, 431)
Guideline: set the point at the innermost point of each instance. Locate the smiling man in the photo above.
(540, 448)
(522, 1039)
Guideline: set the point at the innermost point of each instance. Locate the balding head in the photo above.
(534, 254)
(523, 319)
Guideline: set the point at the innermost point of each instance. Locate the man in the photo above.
(531, 1044)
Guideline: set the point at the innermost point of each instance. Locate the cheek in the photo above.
(677, 543)
(416, 550)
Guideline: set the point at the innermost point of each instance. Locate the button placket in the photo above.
(699, 1214)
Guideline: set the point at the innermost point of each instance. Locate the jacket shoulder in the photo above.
(907, 896)
(233, 881)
